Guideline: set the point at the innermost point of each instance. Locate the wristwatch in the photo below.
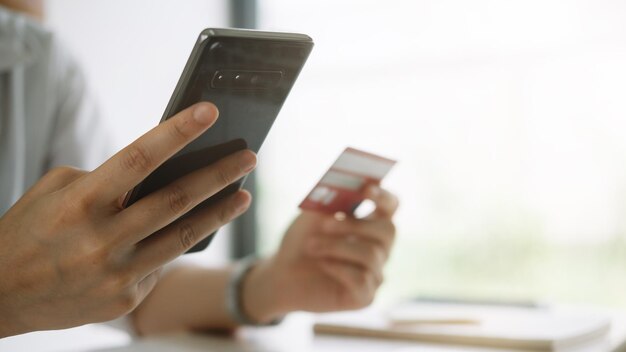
(234, 294)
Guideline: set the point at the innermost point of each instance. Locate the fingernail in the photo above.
(203, 114)
(248, 161)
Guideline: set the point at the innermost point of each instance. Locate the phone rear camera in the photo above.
(246, 79)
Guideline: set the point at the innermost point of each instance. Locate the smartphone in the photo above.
(247, 74)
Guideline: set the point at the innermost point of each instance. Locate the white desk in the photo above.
(295, 335)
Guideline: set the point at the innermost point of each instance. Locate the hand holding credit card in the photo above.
(341, 187)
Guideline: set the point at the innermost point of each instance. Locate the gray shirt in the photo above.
(46, 116)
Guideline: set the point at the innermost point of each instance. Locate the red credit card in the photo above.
(341, 188)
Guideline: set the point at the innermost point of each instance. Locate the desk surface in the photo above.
(296, 335)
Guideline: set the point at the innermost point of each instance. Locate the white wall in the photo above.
(507, 118)
(133, 51)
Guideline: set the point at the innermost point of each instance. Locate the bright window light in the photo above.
(508, 119)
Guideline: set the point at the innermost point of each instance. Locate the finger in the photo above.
(132, 164)
(160, 208)
(381, 231)
(364, 254)
(358, 285)
(178, 237)
(386, 202)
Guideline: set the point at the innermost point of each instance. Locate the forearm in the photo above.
(192, 298)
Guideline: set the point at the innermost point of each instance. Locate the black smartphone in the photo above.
(247, 74)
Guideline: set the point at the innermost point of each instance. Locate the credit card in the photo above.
(341, 187)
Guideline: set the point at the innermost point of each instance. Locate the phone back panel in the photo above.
(247, 75)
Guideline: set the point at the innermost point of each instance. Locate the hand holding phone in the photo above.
(247, 75)
(69, 250)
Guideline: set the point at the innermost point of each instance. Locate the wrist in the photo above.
(261, 298)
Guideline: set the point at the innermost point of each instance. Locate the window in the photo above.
(508, 121)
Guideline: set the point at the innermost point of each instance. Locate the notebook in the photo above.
(502, 327)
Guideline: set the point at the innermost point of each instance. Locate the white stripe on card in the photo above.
(342, 180)
(322, 195)
(363, 164)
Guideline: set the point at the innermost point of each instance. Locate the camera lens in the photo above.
(246, 79)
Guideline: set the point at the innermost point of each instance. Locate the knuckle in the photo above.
(178, 200)
(372, 254)
(224, 215)
(367, 293)
(178, 130)
(187, 236)
(61, 172)
(118, 284)
(362, 279)
(222, 177)
(69, 209)
(380, 256)
(392, 230)
(394, 203)
(380, 281)
(347, 295)
(358, 300)
(137, 159)
(127, 301)
(110, 314)
(80, 203)
(385, 232)
(368, 299)
(391, 234)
